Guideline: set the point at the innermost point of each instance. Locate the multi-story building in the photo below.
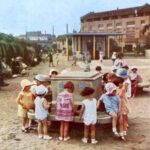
(45, 40)
(134, 22)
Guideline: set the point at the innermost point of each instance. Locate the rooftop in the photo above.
(118, 12)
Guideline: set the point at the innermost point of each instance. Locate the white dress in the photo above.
(90, 111)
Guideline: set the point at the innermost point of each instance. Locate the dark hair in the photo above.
(87, 91)
(54, 72)
(69, 85)
(120, 55)
(117, 80)
(98, 68)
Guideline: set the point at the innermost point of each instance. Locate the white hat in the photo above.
(41, 90)
(39, 77)
(25, 83)
(51, 71)
(110, 87)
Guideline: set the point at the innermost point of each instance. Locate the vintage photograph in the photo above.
(74, 75)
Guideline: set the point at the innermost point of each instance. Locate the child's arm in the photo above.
(81, 111)
(124, 89)
(98, 104)
(18, 100)
(46, 104)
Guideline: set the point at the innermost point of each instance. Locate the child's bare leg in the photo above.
(125, 123)
(114, 119)
(114, 122)
(24, 122)
(93, 130)
(86, 131)
(66, 127)
(40, 127)
(121, 123)
(62, 129)
(45, 124)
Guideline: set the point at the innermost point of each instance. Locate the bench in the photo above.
(142, 85)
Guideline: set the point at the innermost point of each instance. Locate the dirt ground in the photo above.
(11, 137)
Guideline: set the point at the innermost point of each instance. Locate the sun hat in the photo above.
(110, 87)
(46, 78)
(52, 71)
(87, 91)
(134, 68)
(24, 83)
(121, 72)
(41, 90)
(39, 77)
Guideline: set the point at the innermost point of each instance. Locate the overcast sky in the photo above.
(18, 16)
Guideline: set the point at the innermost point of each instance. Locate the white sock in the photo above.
(114, 129)
(23, 128)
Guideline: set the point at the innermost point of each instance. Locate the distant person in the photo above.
(41, 112)
(65, 110)
(25, 101)
(89, 113)
(51, 64)
(74, 59)
(114, 57)
(119, 62)
(135, 79)
(101, 56)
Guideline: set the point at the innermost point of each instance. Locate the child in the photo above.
(25, 102)
(41, 112)
(124, 108)
(111, 103)
(53, 73)
(135, 79)
(98, 69)
(89, 112)
(126, 88)
(64, 110)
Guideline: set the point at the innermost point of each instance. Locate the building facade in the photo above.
(45, 40)
(134, 22)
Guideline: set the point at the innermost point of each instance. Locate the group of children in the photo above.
(38, 96)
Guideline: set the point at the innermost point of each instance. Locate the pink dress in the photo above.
(64, 110)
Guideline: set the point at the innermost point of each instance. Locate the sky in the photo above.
(19, 16)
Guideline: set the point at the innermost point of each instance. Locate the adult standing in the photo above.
(114, 57)
(51, 59)
(119, 62)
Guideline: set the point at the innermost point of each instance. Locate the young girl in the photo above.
(25, 102)
(89, 113)
(64, 110)
(41, 112)
(111, 102)
(124, 107)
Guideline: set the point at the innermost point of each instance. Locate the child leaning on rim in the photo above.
(89, 113)
(41, 112)
(111, 102)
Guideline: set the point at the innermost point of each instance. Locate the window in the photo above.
(130, 24)
(118, 25)
(109, 25)
(101, 26)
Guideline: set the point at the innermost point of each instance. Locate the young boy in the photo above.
(111, 103)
